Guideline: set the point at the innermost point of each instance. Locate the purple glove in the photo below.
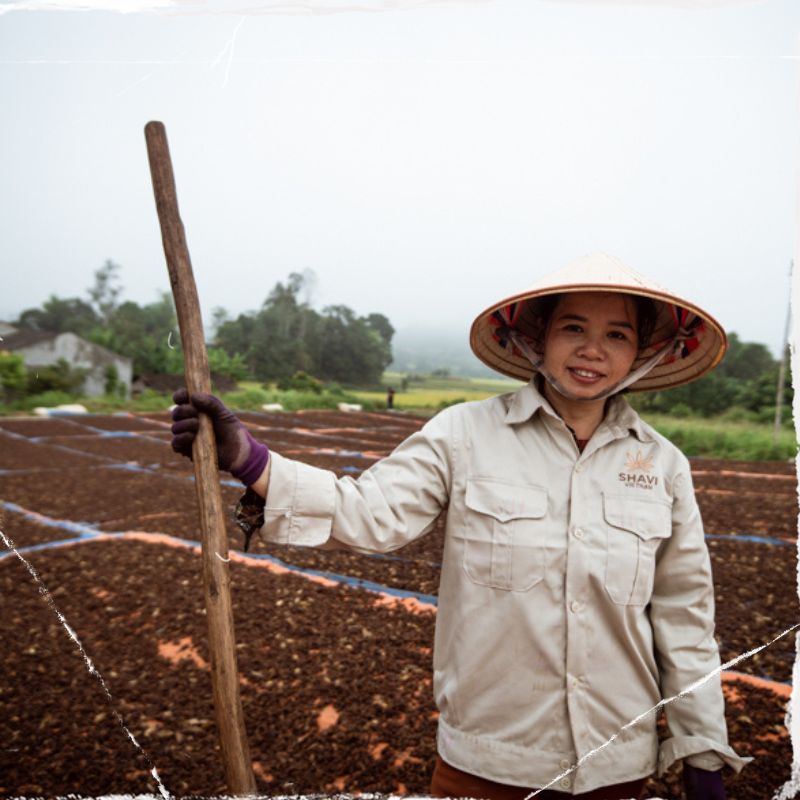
(237, 451)
(701, 784)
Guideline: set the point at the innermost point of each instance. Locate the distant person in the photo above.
(576, 588)
(390, 398)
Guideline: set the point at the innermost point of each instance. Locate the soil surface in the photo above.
(335, 680)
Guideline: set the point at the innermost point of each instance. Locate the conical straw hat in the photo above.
(693, 340)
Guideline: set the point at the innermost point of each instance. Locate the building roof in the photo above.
(16, 341)
(23, 339)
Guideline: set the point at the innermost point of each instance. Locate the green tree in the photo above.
(13, 376)
(231, 366)
(58, 377)
(147, 334)
(746, 378)
(219, 316)
(277, 347)
(59, 316)
(379, 323)
(105, 290)
(352, 350)
(285, 336)
(746, 361)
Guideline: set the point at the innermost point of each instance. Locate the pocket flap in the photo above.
(506, 501)
(648, 519)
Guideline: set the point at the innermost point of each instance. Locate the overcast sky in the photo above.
(425, 159)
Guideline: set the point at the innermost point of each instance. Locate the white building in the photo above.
(44, 348)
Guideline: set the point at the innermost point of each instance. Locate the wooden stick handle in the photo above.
(216, 577)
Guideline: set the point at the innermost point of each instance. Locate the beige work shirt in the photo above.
(575, 589)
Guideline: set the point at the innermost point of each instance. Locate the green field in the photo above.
(433, 393)
(721, 438)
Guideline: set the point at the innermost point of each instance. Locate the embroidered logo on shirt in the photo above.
(639, 462)
(636, 467)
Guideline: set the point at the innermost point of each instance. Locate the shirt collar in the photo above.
(528, 400)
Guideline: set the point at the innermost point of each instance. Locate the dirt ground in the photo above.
(335, 680)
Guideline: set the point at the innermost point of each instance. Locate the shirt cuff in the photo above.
(699, 751)
(300, 503)
(708, 760)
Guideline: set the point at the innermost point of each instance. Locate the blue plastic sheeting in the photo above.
(746, 675)
(148, 469)
(38, 470)
(44, 546)
(64, 447)
(85, 533)
(747, 537)
(14, 435)
(83, 529)
(359, 582)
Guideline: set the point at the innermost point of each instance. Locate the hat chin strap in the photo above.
(523, 344)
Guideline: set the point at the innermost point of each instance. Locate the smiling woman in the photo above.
(590, 343)
(575, 596)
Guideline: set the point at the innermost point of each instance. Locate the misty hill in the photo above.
(423, 351)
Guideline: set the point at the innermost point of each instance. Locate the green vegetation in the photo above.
(721, 438)
(746, 379)
(22, 388)
(13, 376)
(288, 353)
(283, 337)
(286, 337)
(736, 434)
(425, 394)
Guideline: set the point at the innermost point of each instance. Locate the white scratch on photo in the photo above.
(666, 701)
(792, 787)
(89, 663)
(214, 7)
(229, 48)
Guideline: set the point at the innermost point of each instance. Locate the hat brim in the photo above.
(709, 351)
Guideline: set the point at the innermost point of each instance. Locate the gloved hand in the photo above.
(701, 784)
(237, 451)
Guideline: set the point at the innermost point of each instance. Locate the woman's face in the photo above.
(591, 341)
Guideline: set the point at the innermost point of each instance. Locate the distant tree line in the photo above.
(284, 336)
(745, 381)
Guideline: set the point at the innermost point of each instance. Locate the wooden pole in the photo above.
(216, 577)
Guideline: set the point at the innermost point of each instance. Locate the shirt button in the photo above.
(564, 763)
(565, 783)
(575, 606)
(578, 467)
(575, 682)
(579, 533)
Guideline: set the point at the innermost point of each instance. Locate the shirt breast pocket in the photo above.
(504, 534)
(634, 527)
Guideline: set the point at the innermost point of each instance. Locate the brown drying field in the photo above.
(335, 678)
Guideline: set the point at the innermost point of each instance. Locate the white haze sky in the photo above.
(425, 159)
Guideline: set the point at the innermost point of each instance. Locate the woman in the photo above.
(576, 588)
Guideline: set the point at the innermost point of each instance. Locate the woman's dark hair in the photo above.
(542, 308)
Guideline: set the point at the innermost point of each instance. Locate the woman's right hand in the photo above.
(237, 451)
